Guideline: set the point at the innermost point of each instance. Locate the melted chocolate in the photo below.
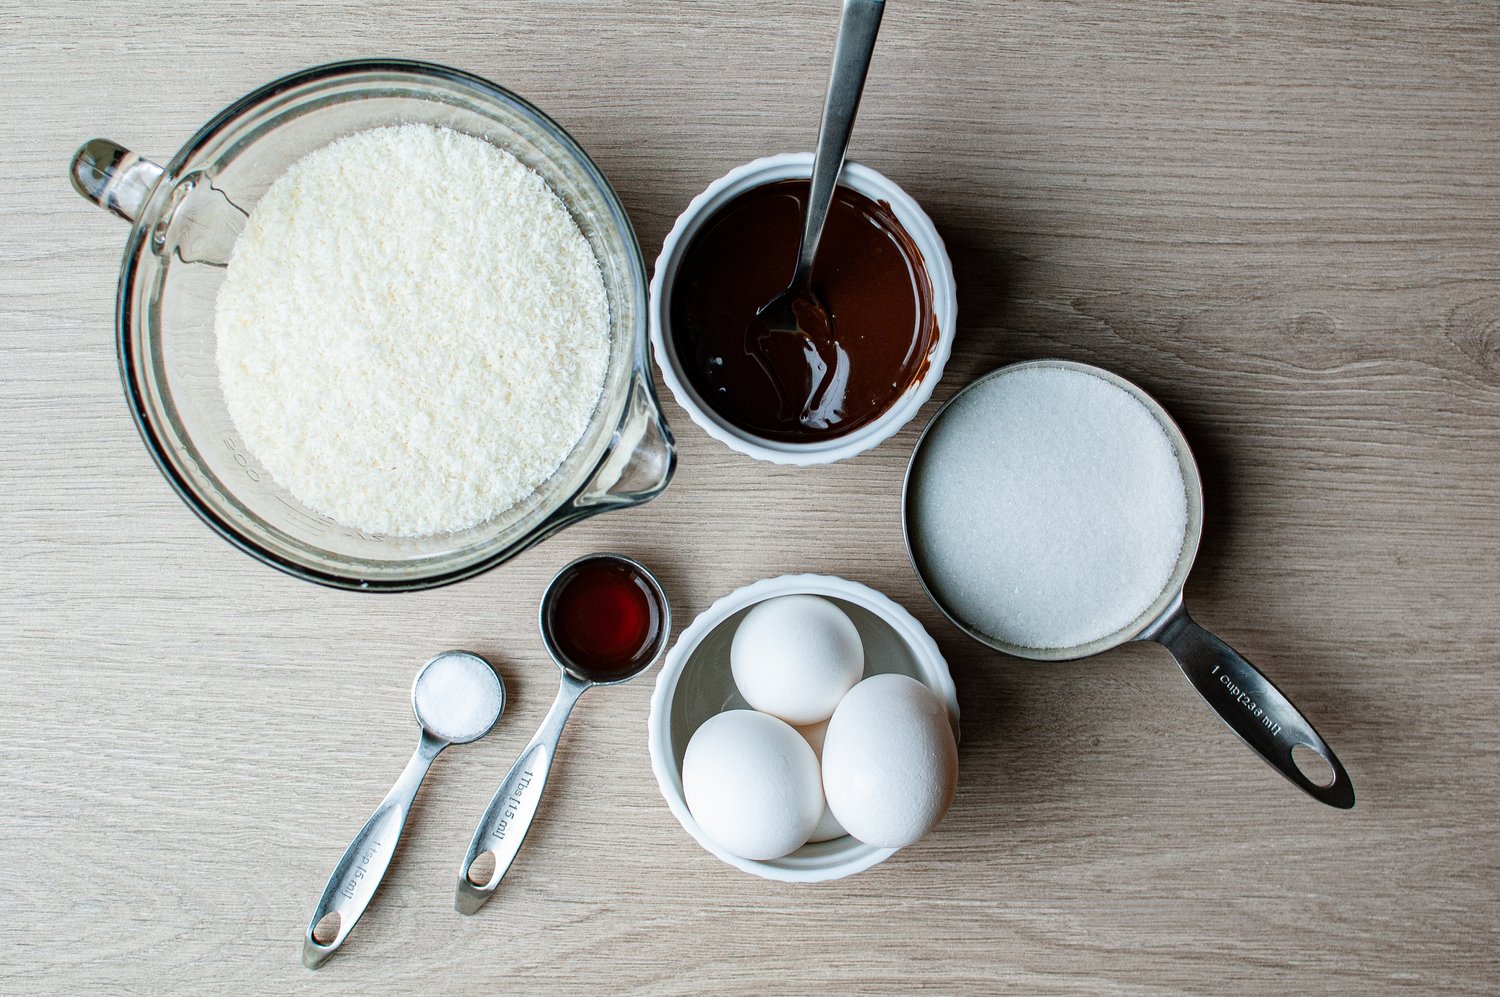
(851, 363)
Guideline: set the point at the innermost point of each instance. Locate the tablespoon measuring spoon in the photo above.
(604, 620)
(457, 697)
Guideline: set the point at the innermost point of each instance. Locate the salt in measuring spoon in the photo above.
(604, 620)
(457, 697)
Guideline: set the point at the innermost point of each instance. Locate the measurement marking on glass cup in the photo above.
(241, 458)
(1244, 699)
(511, 804)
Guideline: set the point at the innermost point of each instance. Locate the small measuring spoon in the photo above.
(604, 620)
(457, 697)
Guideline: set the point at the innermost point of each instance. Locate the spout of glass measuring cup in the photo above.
(641, 460)
(113, 177)
(1249, 704)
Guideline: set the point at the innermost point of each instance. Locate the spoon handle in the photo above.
(1251, 705)
(506, 820)
(851, 63)
(363, 865)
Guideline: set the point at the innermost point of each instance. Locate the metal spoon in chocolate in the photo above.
(797, 311)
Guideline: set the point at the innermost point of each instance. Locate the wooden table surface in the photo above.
(1283, 218)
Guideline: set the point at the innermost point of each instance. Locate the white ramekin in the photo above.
(934, 256)
(696, 681)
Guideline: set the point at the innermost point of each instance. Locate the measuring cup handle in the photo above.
(113, 177)
(1251, 705)
(359, 872)
(506, 820)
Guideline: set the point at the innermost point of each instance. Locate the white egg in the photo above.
(890, 763)
(795, 656)
(752, 783)
(828, 825)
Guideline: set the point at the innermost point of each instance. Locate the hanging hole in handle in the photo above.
(481, 869)
(327, 928)
(1311, 763)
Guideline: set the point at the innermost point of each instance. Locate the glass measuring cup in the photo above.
(584, 663)
(1247, 702)
(185, 218)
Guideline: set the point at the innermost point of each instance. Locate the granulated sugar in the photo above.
(1048, 508)
(412, 333)
(457, 697)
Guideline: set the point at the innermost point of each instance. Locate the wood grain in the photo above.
(1283, 218)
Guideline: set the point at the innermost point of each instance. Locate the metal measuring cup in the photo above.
(1243, 698)
(502, 829)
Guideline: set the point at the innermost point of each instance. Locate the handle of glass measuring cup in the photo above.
(194, 221)
(502, 829)
(359, 872)
(113, 177)
(1250, 705)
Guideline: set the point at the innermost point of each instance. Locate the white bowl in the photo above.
(788, 166)
(696, 683)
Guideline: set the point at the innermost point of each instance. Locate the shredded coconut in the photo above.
(412, 332)
(1049, 508)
